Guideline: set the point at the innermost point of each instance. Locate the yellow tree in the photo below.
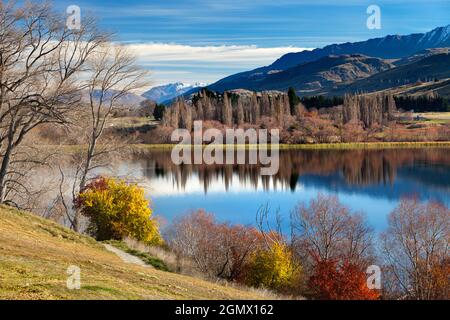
(272, 267)
(117, 210)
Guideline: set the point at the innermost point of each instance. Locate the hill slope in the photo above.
(35, 254)
(323, 73)
(431, 67)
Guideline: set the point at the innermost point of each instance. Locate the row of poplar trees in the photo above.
(237, 108)
(369, 109)
(231, 108)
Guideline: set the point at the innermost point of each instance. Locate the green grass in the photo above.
(147, 258)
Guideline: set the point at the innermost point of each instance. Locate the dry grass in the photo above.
(35, 254)
(174, 262)
(130, 122)
(435, 117)
(186, 266)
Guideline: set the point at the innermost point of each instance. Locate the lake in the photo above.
(371, 181)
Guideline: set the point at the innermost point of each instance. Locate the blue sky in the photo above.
(203, 41)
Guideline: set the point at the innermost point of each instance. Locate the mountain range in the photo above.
(164, 93)
(325, 70)
(365, 66)
(322, 73)
(127, 100)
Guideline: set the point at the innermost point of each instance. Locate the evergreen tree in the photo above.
(159, 111)
(293, 100)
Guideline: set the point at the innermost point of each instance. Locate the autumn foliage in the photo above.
(331, 281)
(415, 247)
(336, 246)
(117, 210)
(329, 252)
(217, 249)
(272, 268)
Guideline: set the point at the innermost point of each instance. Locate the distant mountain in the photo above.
(389, 47)
(323, 73)
(131, 100)
(429, 68)
(169, 91)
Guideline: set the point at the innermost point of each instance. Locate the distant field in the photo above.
(435, 117)
(130, 122)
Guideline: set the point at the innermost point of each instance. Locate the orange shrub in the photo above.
(346, 282)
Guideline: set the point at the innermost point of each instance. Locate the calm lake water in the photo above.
(371, 181)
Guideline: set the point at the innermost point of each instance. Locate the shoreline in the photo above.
(321, 146)
(318, 146)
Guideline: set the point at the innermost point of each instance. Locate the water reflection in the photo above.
(333, 168)
(367, 180)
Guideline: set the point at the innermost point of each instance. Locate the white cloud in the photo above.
(178, 62)
(163, 52)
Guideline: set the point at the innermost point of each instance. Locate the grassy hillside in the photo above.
(442, 88)
(435, 66)
(35, 254)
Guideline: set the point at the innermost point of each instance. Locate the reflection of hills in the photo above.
(437, 176)
(375, 171)
(406, 184)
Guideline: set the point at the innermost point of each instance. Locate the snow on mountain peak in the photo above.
(169, 91)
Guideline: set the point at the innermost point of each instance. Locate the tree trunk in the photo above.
(4, 167)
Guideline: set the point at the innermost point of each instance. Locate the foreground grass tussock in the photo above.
(35, 254)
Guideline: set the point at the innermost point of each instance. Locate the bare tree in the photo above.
(265, 104)
(370, 109)
(255, 108)
(272, 233)
(327, 230)
(239, 113)
(113, 73)
(185, 115)
(415, 247)
(217, 249)
(40, 61)
(208, 108)
(299, 110)
(227, 111)
(199, 111)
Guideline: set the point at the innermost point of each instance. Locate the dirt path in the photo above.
(126, 257)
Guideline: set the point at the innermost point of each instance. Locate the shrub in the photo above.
(272, 268)
(117, 210)
(218, 249)
(331, 281)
